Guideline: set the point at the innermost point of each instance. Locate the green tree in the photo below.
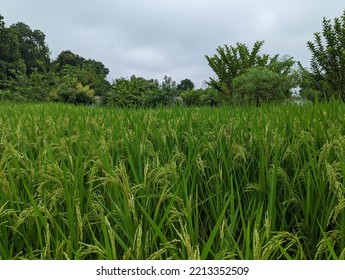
(36, 87)
(70, 90)
(140, 92)
(307, 85)
(118, 94)
(32, 47)
(2, 22)
(10, 58)
(201, 97)
(192, 97)
(67, 58)
(211, 97)
(87, 71)
(26, 72)
(185, 84)
(168, 91)
(260, 85)
(133, 92)
(328, 59)
(232, 61)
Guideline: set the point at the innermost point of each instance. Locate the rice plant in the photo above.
(172, 183)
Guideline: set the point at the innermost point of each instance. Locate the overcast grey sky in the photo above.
(153, 38)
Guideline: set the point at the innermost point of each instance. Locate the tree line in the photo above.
(242, 75)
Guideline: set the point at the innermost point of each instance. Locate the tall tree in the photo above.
(2, 23)
(133, 92)
(10, 59)
(87, 71)
(32, 47)
(168, 90)
(185, 84)
(232, 61)
(67, 58)
(328, 58)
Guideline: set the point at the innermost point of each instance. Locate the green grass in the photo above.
(172, 183)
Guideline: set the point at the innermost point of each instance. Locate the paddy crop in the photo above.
(172, 183)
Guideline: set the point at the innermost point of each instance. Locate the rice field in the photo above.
(172, 183)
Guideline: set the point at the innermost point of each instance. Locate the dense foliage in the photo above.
(28, 74)
(328, 61)
(243, 76)
(260, 85)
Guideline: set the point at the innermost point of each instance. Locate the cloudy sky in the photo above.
(154, 38)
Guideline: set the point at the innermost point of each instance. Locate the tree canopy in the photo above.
(11, 61)
(27, 72)
(328, 59)
(32, 48)
(232, 62)
(242, 75)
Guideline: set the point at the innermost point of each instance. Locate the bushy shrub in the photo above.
(212, 97)
(69, 90)
(201, 97)
(191, 97)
